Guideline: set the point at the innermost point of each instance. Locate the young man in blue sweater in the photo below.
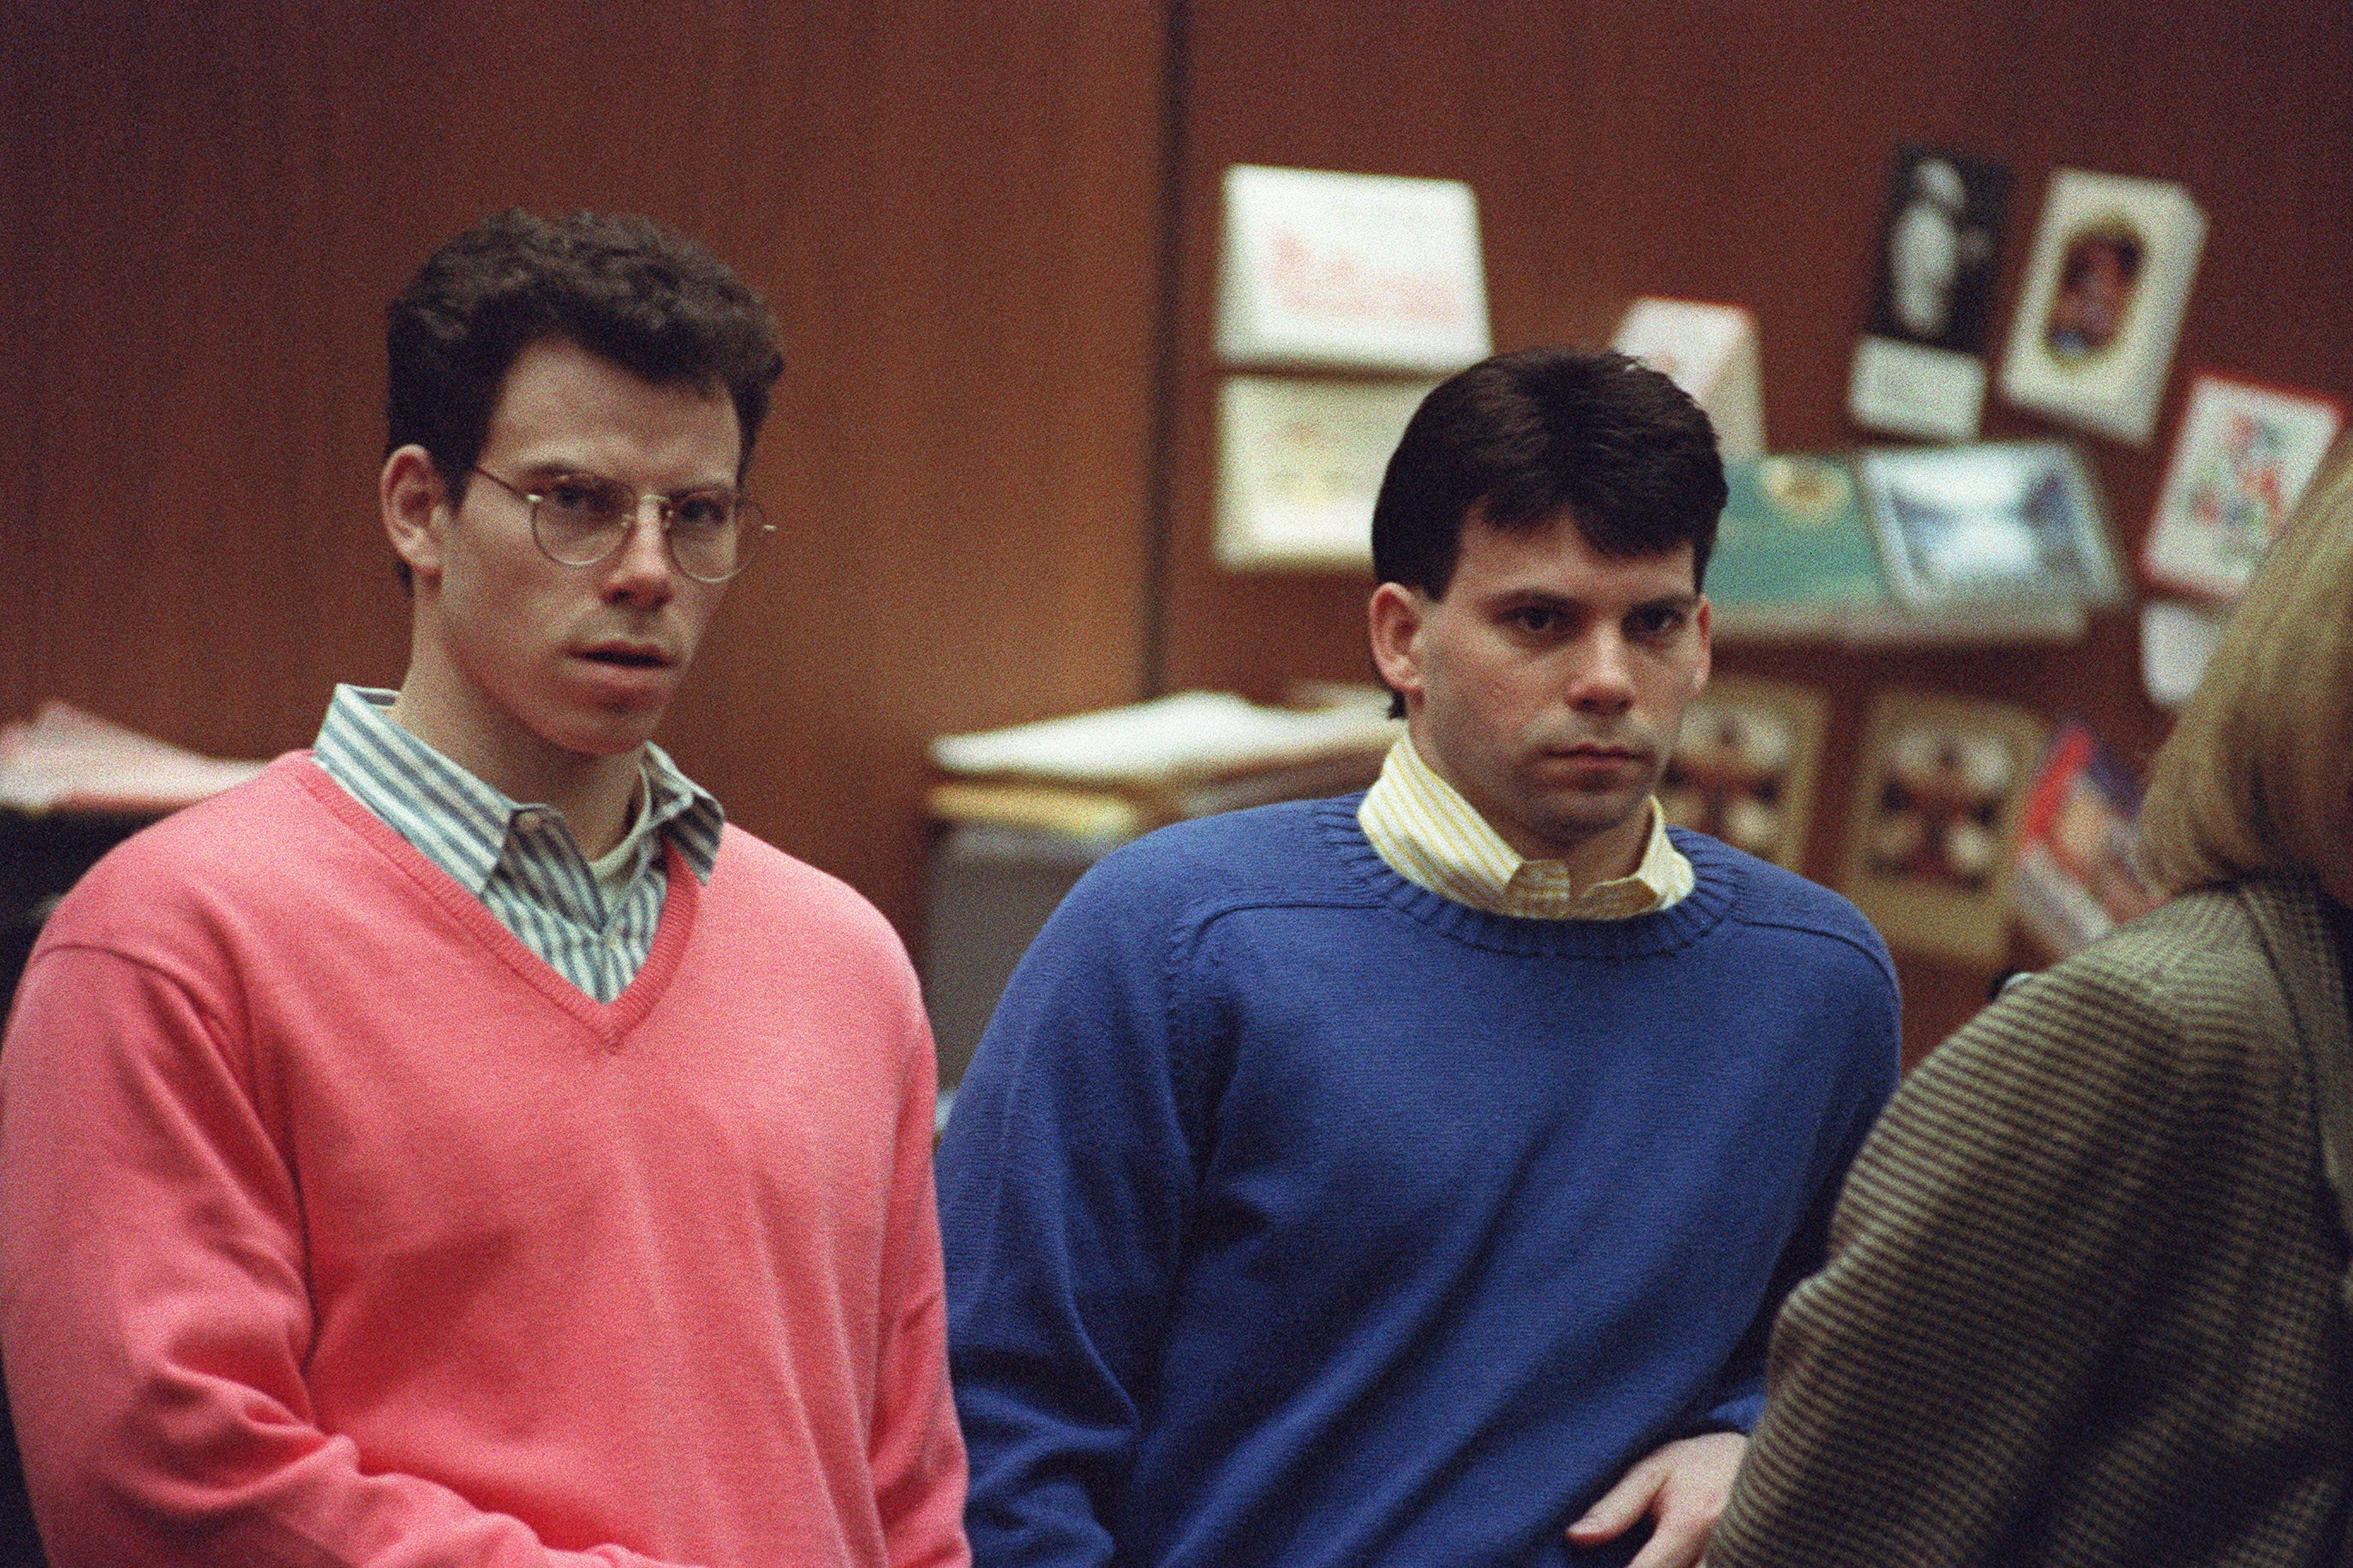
(1411, 1178)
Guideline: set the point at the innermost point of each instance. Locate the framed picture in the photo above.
(1324, 270)
(2244, 456)
(1918, 368)
(1997, 522)
(1940, 248)
(2077, 877)
(1710, 351)
(1745, 764)
(1931, 833)
(1793, 551)
(1299, 462)
(2101, 305)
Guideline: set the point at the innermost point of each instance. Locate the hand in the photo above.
(1681, 1487)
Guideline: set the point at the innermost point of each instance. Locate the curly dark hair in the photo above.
(649, 300)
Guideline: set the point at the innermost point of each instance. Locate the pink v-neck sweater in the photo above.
(337, 1229)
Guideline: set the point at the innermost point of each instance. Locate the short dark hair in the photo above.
(1525, 435)
(645, 297)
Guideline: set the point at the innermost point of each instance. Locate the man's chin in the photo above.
(607, 735)
(1578, 820)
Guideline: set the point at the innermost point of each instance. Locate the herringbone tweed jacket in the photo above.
(2086, 1300)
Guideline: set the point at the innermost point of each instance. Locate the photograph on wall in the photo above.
(1299, 462)
(2242, 459)
(1745, 764)
(1933, 818)
(1940, 248)
(1918, 369)
(1794, 553)
(1999, 523)
(2101, 305)
(1710, 351)
(2076, 876)
(1322, 269)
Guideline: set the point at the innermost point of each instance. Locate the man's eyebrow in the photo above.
(1509, 601)
(556, 469)
(1516, 598)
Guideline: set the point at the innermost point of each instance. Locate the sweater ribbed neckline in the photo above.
(1719, 882)
(611, 1022)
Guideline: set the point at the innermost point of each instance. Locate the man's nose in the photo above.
(1601, 678)
(641, 569)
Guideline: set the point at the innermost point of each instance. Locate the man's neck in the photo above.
(1606, 856)
(595, 795)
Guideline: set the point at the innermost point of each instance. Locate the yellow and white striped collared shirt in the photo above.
(1430, 836)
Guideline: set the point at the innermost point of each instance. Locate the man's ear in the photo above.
(414, 509)
(1704, 619)
(1393, 619)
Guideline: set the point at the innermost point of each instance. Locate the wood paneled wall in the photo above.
(957, 211)
(1738, 150)
(952, 208)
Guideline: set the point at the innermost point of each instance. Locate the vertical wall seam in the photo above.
(1167, 344)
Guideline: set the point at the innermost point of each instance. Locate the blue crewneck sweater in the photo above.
(1297, 1216)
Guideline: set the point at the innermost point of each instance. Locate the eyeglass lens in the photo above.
(582, 520)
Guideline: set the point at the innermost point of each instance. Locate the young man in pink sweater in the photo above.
(458, 1147)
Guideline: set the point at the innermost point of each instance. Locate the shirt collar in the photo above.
(460, 823)
(1428, 834)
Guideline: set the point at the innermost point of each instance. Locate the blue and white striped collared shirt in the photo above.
(594, 924)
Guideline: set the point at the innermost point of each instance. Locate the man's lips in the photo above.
(628, 655)
(1596, 752)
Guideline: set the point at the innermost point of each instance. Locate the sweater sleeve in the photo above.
(1869, 1055)
(917, 1451)
(154, 1308)
(2004, 1290)
(1065, 1176)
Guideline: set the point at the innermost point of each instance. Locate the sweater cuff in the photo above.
(1738, 1414)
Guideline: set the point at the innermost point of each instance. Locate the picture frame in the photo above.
(1300, 460)
(1931, 826)
(1995, 523)
(1710, 349)
(2077, 877)
(2243, 456)
(1322, 269)
(1746, 763)
(1919, 367)
(1794, 551)
(2101, 308)
(1940, 248)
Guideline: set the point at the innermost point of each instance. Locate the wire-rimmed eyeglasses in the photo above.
(579, 520)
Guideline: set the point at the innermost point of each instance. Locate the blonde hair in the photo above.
(2258, 774)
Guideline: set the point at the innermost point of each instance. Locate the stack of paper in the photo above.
(1119, 771)
(67, 760)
